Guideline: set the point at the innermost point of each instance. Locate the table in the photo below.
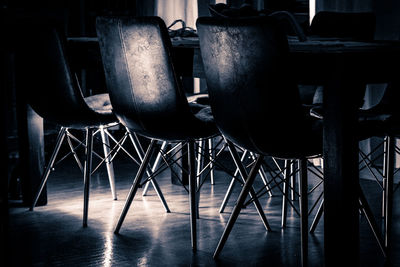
(344, 68)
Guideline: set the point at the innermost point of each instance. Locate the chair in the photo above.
(147, 96)
(55, 94)
(291, 27)
(246, 93)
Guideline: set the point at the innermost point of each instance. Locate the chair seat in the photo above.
(316, 110)
(200, 125)
(101, 105)
(200, 98)
(200, 107)
(370, 123)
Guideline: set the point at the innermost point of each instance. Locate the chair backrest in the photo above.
(353, 25)
(145, 92)
(254, 99)
(46, 79)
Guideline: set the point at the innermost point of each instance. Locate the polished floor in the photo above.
(53, 235)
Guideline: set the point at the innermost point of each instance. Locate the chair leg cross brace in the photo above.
(236, 210)
(135, 184)
(60, 139)
(243, 174)
(192, 189)
(87, 174)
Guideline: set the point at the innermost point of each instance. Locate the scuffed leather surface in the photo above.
(254, 99)
(47, 81)
(145, 92)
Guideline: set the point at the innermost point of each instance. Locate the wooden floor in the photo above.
(53, 235)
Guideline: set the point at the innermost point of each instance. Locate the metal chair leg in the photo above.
(231, 185)
(239, 203)
(263, 176)
(365, 208)
(292, 180)
(87, 173)
(109, 165)
(135, 184)
(389, 191)
(211, 156)
(72, 148)
(285, 194)
(155, 165)
(384, 176)
(200, 161)
(317, 217)
(149, 172)
(192, 194)
(304, 211)
(252, 193)
(60, 139)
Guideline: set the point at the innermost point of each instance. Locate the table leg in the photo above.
(31, 142)
(341, 178)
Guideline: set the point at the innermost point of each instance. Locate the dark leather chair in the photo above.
(54, 93)
(147, 95)
(247, 74)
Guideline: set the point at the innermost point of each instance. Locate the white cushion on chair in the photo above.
(99, 103)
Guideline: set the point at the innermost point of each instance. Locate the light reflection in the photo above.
(108, 249)
(108, 244)
(73, 207)
(311, 10)
(142, 261)
(177, 9)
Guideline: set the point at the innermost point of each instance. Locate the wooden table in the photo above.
(343, 68)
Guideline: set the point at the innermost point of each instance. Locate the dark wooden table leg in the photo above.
(341, 178)
(32, 161)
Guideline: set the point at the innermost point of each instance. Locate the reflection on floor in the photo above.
(52, 235)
